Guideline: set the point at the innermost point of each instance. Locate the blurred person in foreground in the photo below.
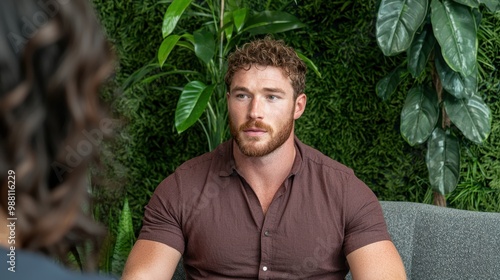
(263, 205)
(53, 59)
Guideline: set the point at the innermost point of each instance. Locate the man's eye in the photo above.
(272, 97)
(241, 96)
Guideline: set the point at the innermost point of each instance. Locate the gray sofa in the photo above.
(444, 243)
(440, 243)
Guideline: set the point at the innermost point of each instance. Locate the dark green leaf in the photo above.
(309, 63)
(172, 15)
(443, 161)
(455, 30)
(166, 48)
(492, 5)
(420, 51)
(472, 116)
(387, 86)
(469, 3)
(419, 115)
(191, 104)
(124, 240)
(397, 22)
(455, 83)
(204, 45)
(269, 22)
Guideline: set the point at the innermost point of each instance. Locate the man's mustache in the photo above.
(255, 124)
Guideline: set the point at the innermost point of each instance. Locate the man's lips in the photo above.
(254, 132)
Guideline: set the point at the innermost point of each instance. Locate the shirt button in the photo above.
(264, 268)
(266, 233)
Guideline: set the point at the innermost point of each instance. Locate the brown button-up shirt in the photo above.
(210, 214)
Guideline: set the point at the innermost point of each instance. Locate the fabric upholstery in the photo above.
(444, 243)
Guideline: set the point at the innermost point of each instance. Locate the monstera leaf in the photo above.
(397, 22)
(472, 116)
(455, 30)
(443, 161)
(419, 115)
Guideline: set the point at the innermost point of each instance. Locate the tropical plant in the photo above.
(118, 246)
(228, 25)
(440, 38)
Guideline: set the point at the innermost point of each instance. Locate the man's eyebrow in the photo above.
(266, 89)
(278, 90)
(238, 88)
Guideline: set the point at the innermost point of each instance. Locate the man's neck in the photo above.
(267, 172)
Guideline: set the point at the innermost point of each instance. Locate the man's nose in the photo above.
(256, 109)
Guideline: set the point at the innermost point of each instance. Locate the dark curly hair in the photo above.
(268, 52)
(53, 59)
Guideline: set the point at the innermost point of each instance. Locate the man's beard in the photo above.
(250, 147)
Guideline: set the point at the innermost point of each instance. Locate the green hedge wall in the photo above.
(344, 118)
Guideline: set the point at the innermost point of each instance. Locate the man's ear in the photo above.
(300, 105)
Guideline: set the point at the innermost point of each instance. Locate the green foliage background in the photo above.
(344, 118)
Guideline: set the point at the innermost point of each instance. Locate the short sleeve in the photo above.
(364, 219)
(162, 220)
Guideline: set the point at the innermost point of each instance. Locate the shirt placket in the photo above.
(267, 236)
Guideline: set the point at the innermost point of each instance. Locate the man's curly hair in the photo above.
(268, 52)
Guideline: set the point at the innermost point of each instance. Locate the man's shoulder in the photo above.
(317, 159)
(221, 153)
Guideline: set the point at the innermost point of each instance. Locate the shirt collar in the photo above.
(226, 159)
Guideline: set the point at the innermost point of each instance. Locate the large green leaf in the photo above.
(397, 22)
(419, 115)
(204, 45)
(191, 104)
(420, 51)
(269, 22)
(455, 83)
(172, 16)
(472, 116)
(387, 85)
(166, 48)
(470, 3)
(124, 240)
(455, 30)
(443, 161)
(492, 5)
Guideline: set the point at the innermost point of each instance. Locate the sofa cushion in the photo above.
(444, 243)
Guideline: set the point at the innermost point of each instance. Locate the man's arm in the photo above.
(379, 260)
(151, 260)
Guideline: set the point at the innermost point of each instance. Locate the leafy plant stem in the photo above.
(221, 47)
(439, 199)
(206, 133)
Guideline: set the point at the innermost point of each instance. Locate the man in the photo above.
(264, 205)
